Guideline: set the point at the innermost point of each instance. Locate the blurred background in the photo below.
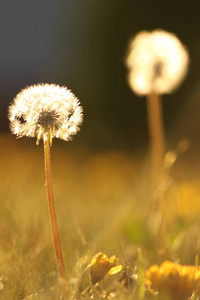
(82, 45)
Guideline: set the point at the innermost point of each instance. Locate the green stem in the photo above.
(52, 213)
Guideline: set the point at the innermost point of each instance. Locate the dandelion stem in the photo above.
(156, 132)
(52, 213)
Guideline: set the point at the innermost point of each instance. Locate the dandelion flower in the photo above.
(99, 267)
(157, 63)
(177, 281)
(45, 109)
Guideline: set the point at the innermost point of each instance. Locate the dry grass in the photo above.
(100, 199)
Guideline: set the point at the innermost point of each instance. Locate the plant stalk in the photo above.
(156, 132)
(52, 214)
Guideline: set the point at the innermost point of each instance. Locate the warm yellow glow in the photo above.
(157, 62)
(176, 280)
(181, 201)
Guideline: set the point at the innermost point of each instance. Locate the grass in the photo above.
(100, 199)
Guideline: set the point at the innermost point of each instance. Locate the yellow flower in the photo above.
(101, 266)
(157, 62)
(45, 109)
(177, 281)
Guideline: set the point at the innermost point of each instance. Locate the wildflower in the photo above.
(45, 109)
(157, 61)
(177, 281)
(99, 267)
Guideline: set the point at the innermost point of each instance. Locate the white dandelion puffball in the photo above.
(157, 62)
(45, 110)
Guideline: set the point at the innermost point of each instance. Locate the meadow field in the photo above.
(114, 211)
(104, 203)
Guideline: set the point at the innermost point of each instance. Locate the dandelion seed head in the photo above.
(45, 109)
(157, 61)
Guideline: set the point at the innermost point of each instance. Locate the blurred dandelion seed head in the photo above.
(157, 62)
(45, 109)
